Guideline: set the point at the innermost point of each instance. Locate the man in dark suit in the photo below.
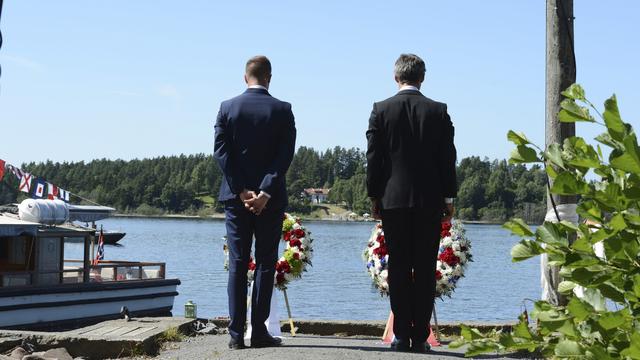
(411, 180)
(254, 144)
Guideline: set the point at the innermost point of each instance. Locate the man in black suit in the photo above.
(411, 180)
(254, 144)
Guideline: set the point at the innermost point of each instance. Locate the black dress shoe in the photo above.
(400, 345)
(235, 344)
(420, 348)
(266, 342)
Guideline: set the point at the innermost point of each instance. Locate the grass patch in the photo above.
(170, 335)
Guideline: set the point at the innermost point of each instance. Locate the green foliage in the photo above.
(584, 328)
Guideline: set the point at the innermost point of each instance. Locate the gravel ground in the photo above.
(307, 347)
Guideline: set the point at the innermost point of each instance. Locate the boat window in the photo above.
(16, 260)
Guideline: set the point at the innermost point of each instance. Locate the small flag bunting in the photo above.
(39, 192)
(2, 164)
(25, 183)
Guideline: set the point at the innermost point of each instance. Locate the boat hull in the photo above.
(39, 306)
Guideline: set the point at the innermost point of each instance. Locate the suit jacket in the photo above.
(255, 138)
(411, 157)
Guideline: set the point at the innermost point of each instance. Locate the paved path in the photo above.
(302, 347)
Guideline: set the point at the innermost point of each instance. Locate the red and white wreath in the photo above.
(297, 253)
(453, 257)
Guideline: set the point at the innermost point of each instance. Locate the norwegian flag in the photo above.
(100, 253)
(2, 163)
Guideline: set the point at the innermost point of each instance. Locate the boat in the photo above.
(91, 214)
(40, 288)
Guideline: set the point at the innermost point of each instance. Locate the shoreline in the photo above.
(220, 216)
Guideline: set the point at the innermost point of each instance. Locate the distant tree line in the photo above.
(488, 190)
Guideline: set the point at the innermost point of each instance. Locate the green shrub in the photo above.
(611, 206)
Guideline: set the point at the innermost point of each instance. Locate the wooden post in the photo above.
(435, 320)
(86, 262)
(560, 74)
(286, 301)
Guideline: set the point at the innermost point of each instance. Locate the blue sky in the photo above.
(131, 79)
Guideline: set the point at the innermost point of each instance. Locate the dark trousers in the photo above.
(242, 226)
(413, 239)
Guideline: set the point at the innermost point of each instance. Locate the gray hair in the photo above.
(410, 69)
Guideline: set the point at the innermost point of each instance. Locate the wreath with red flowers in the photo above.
(453, 257)
(297, 253)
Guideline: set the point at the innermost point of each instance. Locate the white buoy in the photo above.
(46, 212)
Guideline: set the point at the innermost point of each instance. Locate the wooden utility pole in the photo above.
(560, 74)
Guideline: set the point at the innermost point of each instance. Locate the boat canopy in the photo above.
(10, 226)
(89, 213)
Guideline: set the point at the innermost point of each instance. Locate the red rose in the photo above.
(283, 267)
(449, 257)
(380, 251)
(299, 233)
(445, 229)
(252, 266)
(381, 239)
(295, 243)
(438, 275)
(287, 236)
(280, 278)
(296, 256)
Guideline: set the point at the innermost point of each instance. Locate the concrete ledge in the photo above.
(370, 328)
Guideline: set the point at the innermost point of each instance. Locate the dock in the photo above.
(108, 339)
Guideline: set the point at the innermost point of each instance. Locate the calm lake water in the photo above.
(337, 287)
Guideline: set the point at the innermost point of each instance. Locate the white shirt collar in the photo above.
(408, 87)
(258, 87)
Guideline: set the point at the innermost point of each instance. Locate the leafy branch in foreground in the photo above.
(605, 324)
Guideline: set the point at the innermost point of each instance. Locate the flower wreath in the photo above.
(453, 257)
(297, 253)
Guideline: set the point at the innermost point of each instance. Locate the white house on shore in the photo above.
(317, 196)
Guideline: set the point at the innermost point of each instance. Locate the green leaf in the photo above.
(525, 249)
(469, 333)
(566, 184)
(566, 287)
(548, 233)
(636, 285)
(523, 154)
(606, 139)
(517, 138)
(522, 330)
(612, 119)
(598, 352)
(617, 222)
(478, 348)
(518, 227)
(572, 112)
(611, 292)
(554, 154)
(633, 351)
(611, 320)
(582, 244)
(579, 309)
(626, 162)
(575, 92)
(568, 348)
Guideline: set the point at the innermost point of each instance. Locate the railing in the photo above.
(124, 270)
(104, 271)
